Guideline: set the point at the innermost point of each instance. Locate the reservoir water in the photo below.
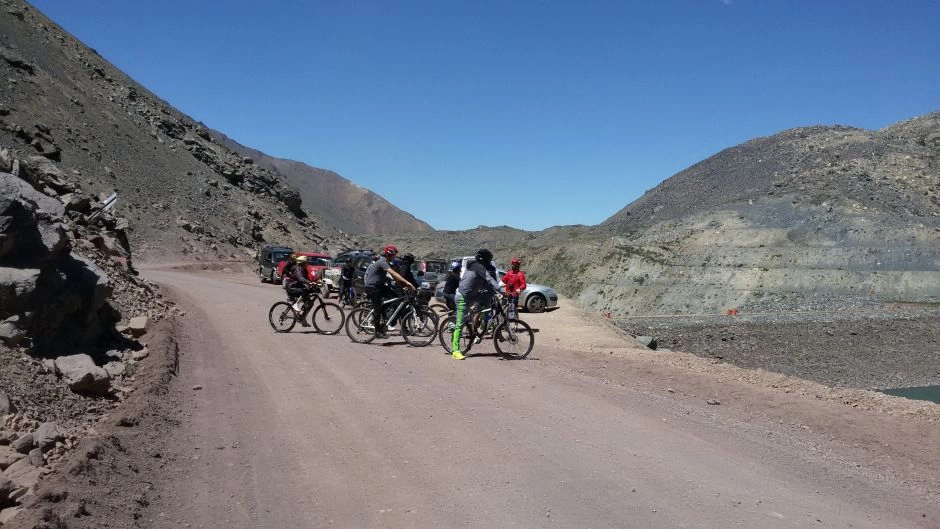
(931, 393)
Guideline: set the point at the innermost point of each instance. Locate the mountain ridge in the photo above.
(345, 204)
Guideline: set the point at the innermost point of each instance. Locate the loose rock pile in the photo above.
(66, 283)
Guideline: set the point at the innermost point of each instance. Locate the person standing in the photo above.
(378, 290)
(346, 276)
(514, 280)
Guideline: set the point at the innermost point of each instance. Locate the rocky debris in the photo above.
(646, 341)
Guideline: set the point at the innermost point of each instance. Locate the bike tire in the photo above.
(419, 327)
(359, 326)
(514, 338)
(445, 334)
(282, 317)
(328, 318)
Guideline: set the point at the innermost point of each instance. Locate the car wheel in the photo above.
(535, 303)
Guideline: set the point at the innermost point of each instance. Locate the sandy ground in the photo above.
(304, 430)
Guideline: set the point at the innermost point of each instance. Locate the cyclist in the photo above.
(450, 285)
(514, 280)
(296, 283)
(378, 290)
(346, 276)
(477, 285)
(407, 260)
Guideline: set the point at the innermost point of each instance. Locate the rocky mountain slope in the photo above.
(818, 218)
(187, 196)
(340, 202)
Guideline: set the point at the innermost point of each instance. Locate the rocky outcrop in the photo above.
(47, 295)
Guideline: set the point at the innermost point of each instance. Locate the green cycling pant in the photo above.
(458, 322)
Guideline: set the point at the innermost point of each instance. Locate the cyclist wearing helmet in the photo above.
(407, 260)
(514, 280)
(477, 285)
(296, 283)
(451, 281)
(376, 287)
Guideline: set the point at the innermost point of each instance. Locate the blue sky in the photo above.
(521, 113)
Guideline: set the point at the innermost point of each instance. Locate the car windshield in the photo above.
(280, 256)
(436, 267)
(318, 261)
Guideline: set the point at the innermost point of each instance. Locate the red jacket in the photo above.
(515, 282)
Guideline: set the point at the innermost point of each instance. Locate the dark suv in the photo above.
(268, 258)
(361, 260)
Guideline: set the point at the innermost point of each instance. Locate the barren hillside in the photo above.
(819, 218)
(340, 202)
(186, 196)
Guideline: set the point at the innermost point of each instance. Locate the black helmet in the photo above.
(484, 255)
(408, 258)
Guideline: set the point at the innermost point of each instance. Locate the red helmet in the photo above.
(515, 261)
(390, 251)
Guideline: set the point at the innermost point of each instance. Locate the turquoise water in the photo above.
(931, 393)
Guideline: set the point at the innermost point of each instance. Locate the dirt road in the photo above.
(303, 430)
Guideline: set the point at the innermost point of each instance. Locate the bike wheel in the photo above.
(446, 332)
(282, 316)
(514, 338)
(359, 326)
(419, 326)
(328, 318)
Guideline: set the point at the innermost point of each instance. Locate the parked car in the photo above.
(535, 298)
(359, 257)
(433, 270)
(316, 264)
(269, 258)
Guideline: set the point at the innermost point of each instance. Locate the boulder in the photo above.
(82, 375)
(6, 406)
(17, 286)
(23, 443)
(6, 488)
(8, 514)
(109, 245)
(8, 456)
(42, 172)
(647, 341)
(35, 457)
(14, 188)
(114, 369)
(47, 435)
(76, 202)
(11, 333)
(23, 474)
(138, 326)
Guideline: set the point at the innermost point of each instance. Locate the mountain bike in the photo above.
(418, 323)
(511, 336)
(327, 317)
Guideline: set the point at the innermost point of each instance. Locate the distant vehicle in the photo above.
(316, 264)
(269, 257)
(535, 298)
(433, 270)
(359, 258)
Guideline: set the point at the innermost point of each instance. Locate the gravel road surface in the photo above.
(303, 430)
